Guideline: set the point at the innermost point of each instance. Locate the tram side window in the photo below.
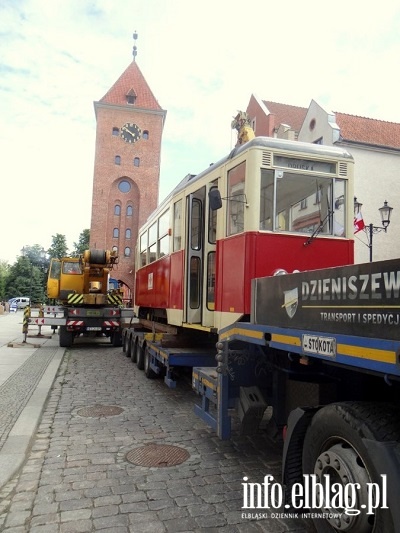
(153, 242)
(212, 223)
(163, 234)
(196, 240)
(211, 281)
(236, 199)
(266, 199)
(143, 249)
(195, 277)
(177, 241)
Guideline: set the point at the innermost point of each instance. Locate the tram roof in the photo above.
(262, 142)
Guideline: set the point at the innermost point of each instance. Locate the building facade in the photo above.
(375, 147)
(129, 127)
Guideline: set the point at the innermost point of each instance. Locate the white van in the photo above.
(20, 302)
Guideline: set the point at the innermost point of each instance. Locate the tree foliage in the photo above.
(36, 255)
(82, 244)
(25, 279)
(58, 246)
(4, 272)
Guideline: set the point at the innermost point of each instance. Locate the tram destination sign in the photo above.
(310, 165)
(359, 299)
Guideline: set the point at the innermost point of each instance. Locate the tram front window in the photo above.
(302, 202)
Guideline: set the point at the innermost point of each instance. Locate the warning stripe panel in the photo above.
(111, 323)
(75, 298)
(115, 299)
(74, 322)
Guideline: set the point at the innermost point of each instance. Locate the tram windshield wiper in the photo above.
(320, 227)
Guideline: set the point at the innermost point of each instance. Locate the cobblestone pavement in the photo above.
(77, 477)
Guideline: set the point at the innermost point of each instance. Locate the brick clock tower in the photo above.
(126, 168)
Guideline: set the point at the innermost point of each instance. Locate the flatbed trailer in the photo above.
(160, 355)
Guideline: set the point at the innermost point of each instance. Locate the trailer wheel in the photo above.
(128, 346)
(147, 368)
(334, 446)
(134, 349)
(66, 337)
(140, 356)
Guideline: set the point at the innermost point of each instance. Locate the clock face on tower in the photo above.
(130, 133)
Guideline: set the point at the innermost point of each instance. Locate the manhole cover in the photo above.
(100, 410)
(157, 455)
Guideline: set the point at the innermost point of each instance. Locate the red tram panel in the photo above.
(246, 256)
(160, 284)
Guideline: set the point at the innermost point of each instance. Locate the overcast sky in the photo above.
(202, 60)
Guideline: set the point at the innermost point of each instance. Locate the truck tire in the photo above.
(116, 339)
(140, 356)
(334, 445)
(150, 374)
(66, 338)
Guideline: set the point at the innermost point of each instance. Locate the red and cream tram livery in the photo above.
(271, 206)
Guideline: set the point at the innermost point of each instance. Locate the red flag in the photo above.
(358, 223)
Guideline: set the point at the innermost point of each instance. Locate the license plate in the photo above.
(319, 345)
(93, 328)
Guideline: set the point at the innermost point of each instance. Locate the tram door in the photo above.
(195, 255)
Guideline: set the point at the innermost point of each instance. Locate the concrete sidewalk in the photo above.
(27, 372)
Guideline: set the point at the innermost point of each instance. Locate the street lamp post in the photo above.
(385, 212)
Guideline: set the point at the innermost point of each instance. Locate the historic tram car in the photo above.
(271, 206)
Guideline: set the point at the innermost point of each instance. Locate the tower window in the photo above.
(117, 210)
(128, 234)
(117, 160)
(129, 211)
(131, 97)
(136, 161)
(116, 233)
(115, 131)
(124, 186)
(127, 251)
(145, 135)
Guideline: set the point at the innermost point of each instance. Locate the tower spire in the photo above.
(134, 51)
